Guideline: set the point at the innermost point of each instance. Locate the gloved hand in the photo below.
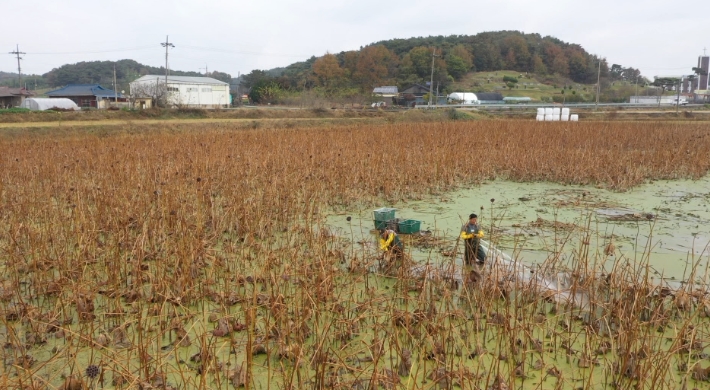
(466, 236)
(480, 234)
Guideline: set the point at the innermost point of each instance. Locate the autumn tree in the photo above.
(349, 60)
(327, 71)
(517, 55)
(560, 65)
(376, 65)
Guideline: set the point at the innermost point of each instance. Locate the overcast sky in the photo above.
(658, 37)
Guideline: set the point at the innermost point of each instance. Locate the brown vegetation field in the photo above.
(193, 256)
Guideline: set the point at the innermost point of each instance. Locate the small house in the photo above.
(13, 97)
(387, 94)
(414, 95)
(87, 95)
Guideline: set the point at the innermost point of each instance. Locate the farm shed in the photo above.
(13, 97)
(86, 95)
(185, 91)
(41, 104)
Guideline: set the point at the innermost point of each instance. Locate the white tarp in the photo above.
(464, 97)
(41, 104)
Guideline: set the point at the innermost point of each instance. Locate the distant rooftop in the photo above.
(84, 90)
(386, 90)
(7, 91)
(182, 79)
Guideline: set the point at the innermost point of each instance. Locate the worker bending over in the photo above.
(472, 234)
(389, 242)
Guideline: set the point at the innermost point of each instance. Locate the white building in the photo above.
(184, 91)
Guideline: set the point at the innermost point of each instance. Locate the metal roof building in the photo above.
(185, 91)
(85, 95)
(386, 91)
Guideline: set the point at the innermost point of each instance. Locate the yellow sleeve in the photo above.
(386, 244)
(466, 236)
(480, 234)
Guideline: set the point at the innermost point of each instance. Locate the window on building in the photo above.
(173, 89)
(192, 89)
(206, 89)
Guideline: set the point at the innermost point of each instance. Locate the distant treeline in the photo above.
(404, 62)
(97, 72)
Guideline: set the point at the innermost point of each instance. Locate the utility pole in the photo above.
(677, 99)
(206, 70)
(431, 83)
(115, 87)
(599, 73)
(166, 45)
(17, 53)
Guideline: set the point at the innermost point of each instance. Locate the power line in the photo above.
(17, 53)
(94, 51)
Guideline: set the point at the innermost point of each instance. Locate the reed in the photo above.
(195, 256)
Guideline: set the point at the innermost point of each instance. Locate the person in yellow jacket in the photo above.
(471, 233)
(389, 241)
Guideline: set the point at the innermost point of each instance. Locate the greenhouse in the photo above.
(41, 104)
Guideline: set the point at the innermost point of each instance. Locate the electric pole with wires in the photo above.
(17, 53)
(166, 45)
(431, 83)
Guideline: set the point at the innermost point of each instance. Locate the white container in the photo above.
(574, 118)
(548, 118)
(548, 111)
(565, 111)
(540, 118)
(556, 111)
(564, 118)
(555, 118)
(541, 111)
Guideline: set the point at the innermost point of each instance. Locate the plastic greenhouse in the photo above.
(41, 104)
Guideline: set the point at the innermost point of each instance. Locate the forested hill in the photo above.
(404, 62)
(99, 72)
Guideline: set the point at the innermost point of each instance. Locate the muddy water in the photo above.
(664, 223)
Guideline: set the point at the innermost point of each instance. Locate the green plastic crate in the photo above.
(384, 214)
(409, 226)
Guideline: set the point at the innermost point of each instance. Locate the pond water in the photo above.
(662, 222)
